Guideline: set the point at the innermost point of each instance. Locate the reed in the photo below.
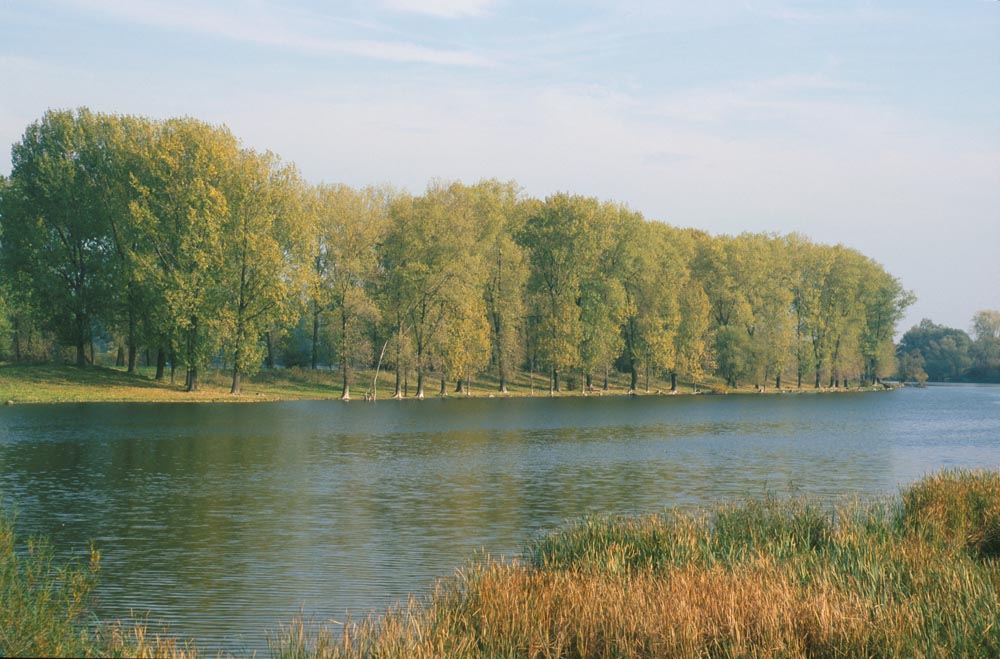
(46, 608)
(917, 575)
(43, 606)
(914, 576)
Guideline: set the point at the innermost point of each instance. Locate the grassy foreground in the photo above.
(915, 576)
(57, 383)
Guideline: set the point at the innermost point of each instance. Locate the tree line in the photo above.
(947, 354)
(170, 237)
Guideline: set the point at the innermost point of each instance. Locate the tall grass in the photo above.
(915, 576)
(46, 608)
(43, 606)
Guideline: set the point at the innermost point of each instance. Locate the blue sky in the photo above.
(873, 124)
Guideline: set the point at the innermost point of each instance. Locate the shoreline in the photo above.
(33, 384)
(773, 578)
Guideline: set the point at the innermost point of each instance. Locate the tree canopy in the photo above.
(172, 237)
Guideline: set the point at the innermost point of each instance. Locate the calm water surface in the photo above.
(225, 520)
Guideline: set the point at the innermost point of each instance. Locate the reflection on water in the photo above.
(227, 519)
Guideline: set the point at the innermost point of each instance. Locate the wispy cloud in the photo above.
(262, 27)
(442, 8)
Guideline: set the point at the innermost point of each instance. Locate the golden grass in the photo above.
(915, 576)
(767, 579)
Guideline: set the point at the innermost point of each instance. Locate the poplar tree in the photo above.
(261, 276)
(349, 226)
(502, 215)
(182, 212)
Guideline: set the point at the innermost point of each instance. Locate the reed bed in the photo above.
(917, 575)
(914, 576)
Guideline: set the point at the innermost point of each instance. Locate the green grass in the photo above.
(917, 575)
(53, 383)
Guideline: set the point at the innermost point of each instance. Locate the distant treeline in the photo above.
(946, 354)
(171, 238)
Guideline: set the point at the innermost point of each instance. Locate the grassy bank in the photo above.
(54, 383)
(914, 576)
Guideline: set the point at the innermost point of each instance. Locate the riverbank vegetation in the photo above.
(63, 383)
(947, 354)
(916, 575)
(168, 243)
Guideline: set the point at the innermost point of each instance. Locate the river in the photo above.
(225, 520)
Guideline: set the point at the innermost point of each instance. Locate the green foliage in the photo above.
(56, 245)
(171, 235)
(44, 606)
(947, 354)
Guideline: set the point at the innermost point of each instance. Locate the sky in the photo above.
(871, 124)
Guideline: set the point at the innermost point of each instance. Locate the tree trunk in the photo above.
(192, 379)
(314, 361)
(590, 386)
(236, 381)
(555, 379)
(399, 383)
(633, 379)
(120, 357)
(131, 338)
(420, 383)
(346, 395)
(503, 383)
(269, 359)
(81, 352)
(673, 381)
(460, 386)
(444, 386)
(647, 376)
(606, 369)
(817, 379)
(161, 362)
(777, 381)
(17, 340)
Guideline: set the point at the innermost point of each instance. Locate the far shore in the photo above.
(56, 383)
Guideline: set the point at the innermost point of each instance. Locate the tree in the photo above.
(810, 268)
(564, 240)
(350, 224)
(601, 297)
(182, 213)
(56, 242)
(942, 352)
(654, 271)
(502, 216)
(429, 263)
(885, 300)
(985, 349)
(264, 240)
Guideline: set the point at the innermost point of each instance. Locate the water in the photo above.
(226, 520)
